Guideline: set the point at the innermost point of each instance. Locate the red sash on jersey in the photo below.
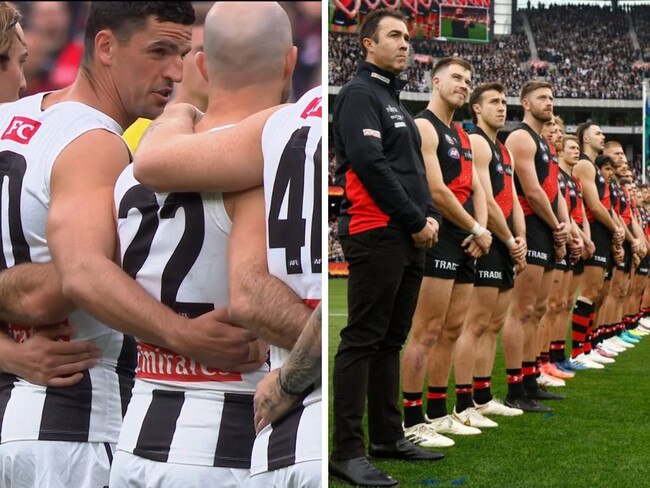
(626, 215)
(461, 186)
(158, 363)
(576, 213)
(504, 198)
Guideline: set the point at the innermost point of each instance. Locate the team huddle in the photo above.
(518, 230)
(177, 321)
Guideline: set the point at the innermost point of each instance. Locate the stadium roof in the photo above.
(535, 3)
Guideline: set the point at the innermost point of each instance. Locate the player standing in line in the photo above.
(495, 272)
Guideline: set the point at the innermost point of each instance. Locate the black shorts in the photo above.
(447, 259)
(565, 263)
(497, 268)
(626, 265)
(644, 267)
(539, 238)
(422, 10)
(579, 267)
(602, 239)
(341, 19)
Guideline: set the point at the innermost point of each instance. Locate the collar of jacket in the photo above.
(381, 77)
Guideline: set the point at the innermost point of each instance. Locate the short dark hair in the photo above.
(602, 160)
(125, 18)
(477, 95)
(580, 132)
(531, 86)
(369, 26)
(448, 61)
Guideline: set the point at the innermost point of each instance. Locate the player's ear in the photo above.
(200, 61)
(105, 44)
(290, 60)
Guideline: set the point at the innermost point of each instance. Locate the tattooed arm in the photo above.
(279, 391)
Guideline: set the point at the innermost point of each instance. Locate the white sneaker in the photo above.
(424, 435)
(597, 358)
(620, 342)
(449, 425)
(472, 418)
(546, 380)
(585, 361)
(495, 407)
(610, 348)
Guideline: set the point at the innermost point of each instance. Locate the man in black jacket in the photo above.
(387, 222)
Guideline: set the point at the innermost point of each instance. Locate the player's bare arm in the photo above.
(84, 247)
(259, 301)
(482, 155)
(585, 172)
(278, 392)
(30, 293)
(162, 159)
(444, 199)
(523, 149)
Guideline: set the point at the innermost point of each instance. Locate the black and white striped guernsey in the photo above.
(175, 246)
(91, 410)
(291, 143)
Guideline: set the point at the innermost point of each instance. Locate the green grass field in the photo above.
(599, 437)
(478, 33)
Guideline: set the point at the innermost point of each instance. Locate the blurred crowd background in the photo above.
(54, 35)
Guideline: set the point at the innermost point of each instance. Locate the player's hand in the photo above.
(618, 236)
(472, 248)
(271, 402)
(618, 254)
(519, 250)
(484, 241)
(560, 252)
(576, 248)
(424, 238)
(636, 260)
(213, 341)
(589, 249)
(44, 359)
(635, 245)
(181, 111)
(520, 264)
(561, 234)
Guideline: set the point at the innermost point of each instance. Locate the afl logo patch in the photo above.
(545, 157)
(542, 146)
(453, 153)
(601, 179)
(499, 168)
(449, 139)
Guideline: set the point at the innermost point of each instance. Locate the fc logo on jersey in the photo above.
(453, 153)
(21, 130)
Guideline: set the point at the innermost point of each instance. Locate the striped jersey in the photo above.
(91, 410)
(291, 143)
(175, 246)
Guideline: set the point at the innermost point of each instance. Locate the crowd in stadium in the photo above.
(574, 54)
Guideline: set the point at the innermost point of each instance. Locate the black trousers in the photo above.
(385, 275)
